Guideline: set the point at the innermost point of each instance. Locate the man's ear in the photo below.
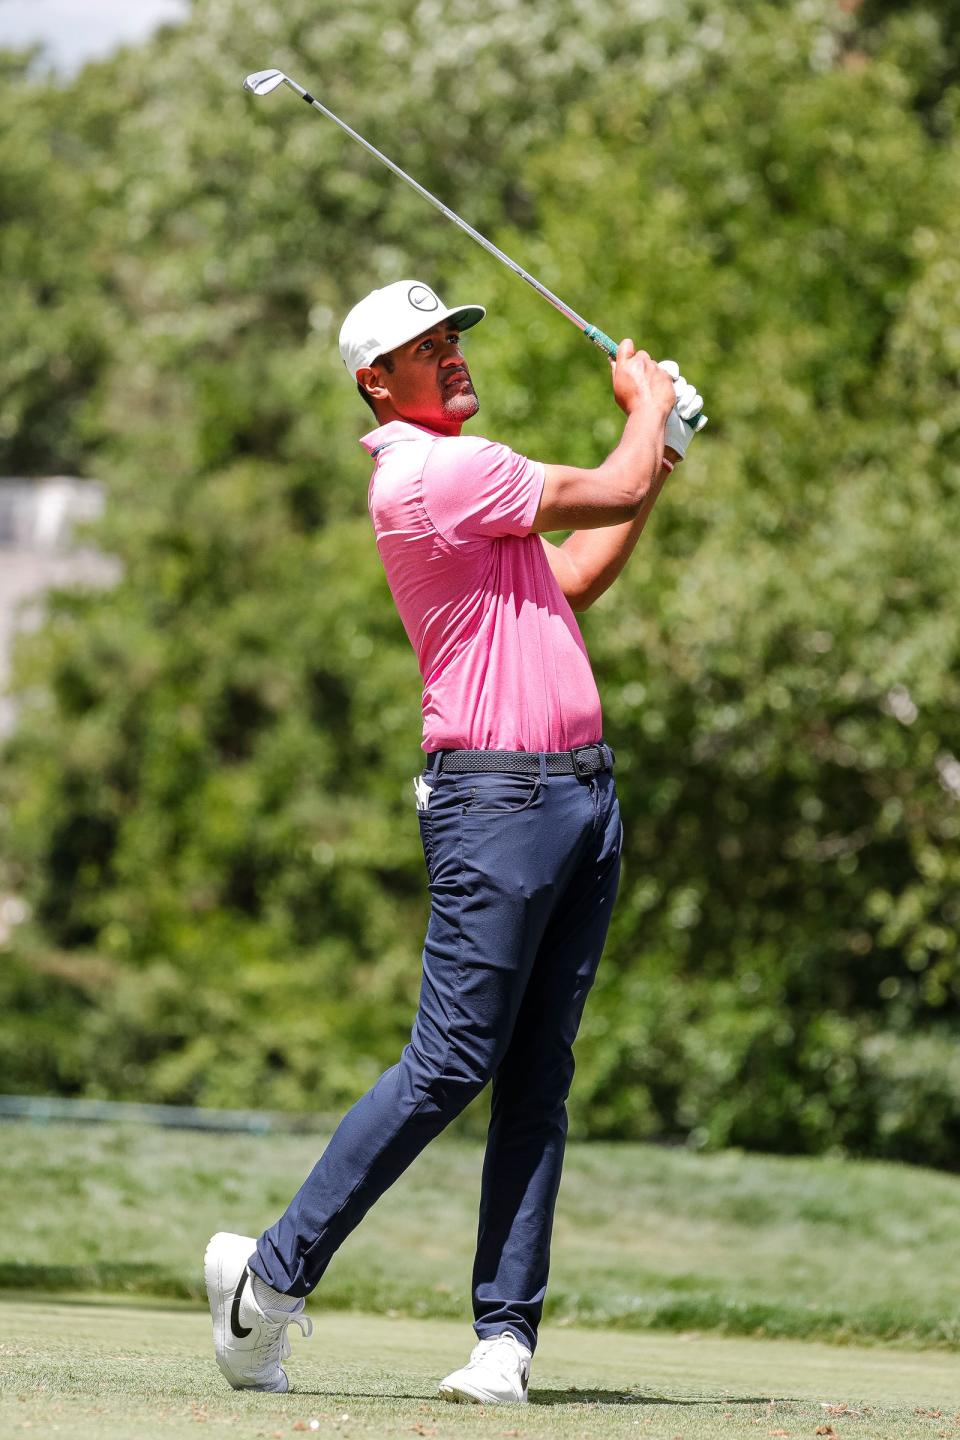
(371, 380)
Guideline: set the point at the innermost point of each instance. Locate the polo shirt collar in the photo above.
(395, 430)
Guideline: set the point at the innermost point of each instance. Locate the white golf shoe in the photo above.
(497, 1373)
(249, 1341)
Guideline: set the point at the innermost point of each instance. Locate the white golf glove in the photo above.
(686, 418)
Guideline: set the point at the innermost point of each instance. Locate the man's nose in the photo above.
(452, 354)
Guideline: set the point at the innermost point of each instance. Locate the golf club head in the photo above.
(261, 82)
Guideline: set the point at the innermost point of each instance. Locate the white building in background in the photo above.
(40, 549)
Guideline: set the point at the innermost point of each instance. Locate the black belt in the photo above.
(584, 761)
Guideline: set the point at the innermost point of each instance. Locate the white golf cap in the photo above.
(390, 317)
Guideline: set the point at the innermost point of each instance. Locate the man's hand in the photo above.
(686, 418)
(639, 383)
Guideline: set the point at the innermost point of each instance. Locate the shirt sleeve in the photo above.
(474, 488)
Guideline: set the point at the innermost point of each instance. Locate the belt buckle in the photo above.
(581, 773)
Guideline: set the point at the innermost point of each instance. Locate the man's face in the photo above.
(428, 385)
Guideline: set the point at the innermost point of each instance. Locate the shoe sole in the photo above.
(460, 1395)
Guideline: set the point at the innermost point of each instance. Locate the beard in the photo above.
(460, 400)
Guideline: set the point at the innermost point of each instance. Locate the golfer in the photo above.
(518, 817)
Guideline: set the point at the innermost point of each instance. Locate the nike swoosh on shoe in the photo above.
(240, 1331)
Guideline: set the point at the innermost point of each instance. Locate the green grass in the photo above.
(646, 1238)
(115, 1372)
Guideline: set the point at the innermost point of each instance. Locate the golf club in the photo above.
(262, 82)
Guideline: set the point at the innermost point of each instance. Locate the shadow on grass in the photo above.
(621, 1397)
(554, 1397)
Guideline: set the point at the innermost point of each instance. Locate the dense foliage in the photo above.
(207, 803)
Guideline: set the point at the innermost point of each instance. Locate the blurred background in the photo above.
(211, 886)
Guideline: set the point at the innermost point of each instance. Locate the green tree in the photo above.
(224, 907)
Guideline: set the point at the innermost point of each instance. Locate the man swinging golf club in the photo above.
(518, 817)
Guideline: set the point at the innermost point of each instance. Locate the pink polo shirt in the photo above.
(503, 662)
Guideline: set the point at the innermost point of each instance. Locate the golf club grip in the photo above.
(602, 340)
(605, 343)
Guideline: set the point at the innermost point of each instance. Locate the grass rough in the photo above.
(646, 1238)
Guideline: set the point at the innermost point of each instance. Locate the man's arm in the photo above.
(615, 491)
(588, 561)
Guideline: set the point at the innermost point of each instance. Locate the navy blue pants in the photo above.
(523, 873)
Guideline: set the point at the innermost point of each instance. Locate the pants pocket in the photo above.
(426, 840)
(498, 794)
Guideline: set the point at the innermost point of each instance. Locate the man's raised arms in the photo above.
(614, 491)
(607, 507)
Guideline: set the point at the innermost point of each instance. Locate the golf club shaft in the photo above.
(591, 331)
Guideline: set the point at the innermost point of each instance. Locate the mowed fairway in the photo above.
(104, 1371)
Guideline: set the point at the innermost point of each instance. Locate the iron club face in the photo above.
(261, 82)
